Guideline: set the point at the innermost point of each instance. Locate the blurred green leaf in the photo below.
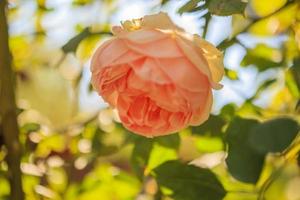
(163, 2)
(209, 144)
(226, 7)
(212, 127)
(98, 146)
(159, 155)
(82, 2)
(273, 135)
(86, 47)
(188, 182)
(231, 74)
(263, 57)
(188, 6)
(170, 141)
(295, 69)
(228, 111)
(244, 163)
(73, 43)
(259, 8)
(141, 154)
(30, 127)
(239, 24)
(277, 23)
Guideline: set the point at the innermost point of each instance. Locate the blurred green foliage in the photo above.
(242, 152)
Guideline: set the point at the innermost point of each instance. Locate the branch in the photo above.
(8, 116)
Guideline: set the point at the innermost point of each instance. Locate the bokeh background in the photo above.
(74, 147)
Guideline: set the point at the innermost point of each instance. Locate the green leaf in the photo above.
(274, 135)
(170, 141)
(263, 57)
(291, 82)
(30, 127)
(190, 5)
(231, 74)
(212, 127)
(226, 7)
(239, 24)
(284, 19)
(81, 2)
(73, 43)
(163, 2)
(243, 162)
(228, 111)
(159, 155)
(209, 144)
(141, 154)
(188, 182)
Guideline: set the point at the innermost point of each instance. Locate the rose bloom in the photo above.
(158, 77)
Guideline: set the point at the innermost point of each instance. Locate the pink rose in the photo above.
(158, 77)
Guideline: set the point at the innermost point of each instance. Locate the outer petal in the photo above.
(203, 113)
(159, 21)
(164, 48)
(213, 56)
(107, 53)
(196, 57)
(143, 36)
(183, 73)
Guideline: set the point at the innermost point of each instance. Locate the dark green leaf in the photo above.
(73, 43)
(98, 146)
(291, 82)
(30, 127)
(296, 72)
(243, 162)
(212, 127)
(188, 182)
(190, 5)
(141, 154)
(274, 135)
(163, 2)
(170, 141)
(226, 7)
(228, 111)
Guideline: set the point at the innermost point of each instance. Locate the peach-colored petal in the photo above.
(213, 56)
(197, 59)
(143, 36)
(166, 96)
(104, 57)
(147, 69)
(167, 48)
(203, 113)
(183, 73)
(159, 21)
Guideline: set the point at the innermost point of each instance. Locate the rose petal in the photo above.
(110, 51)
(213, 56)
(167, 48)
(202, 114)
(184, 74)
(197, 59)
